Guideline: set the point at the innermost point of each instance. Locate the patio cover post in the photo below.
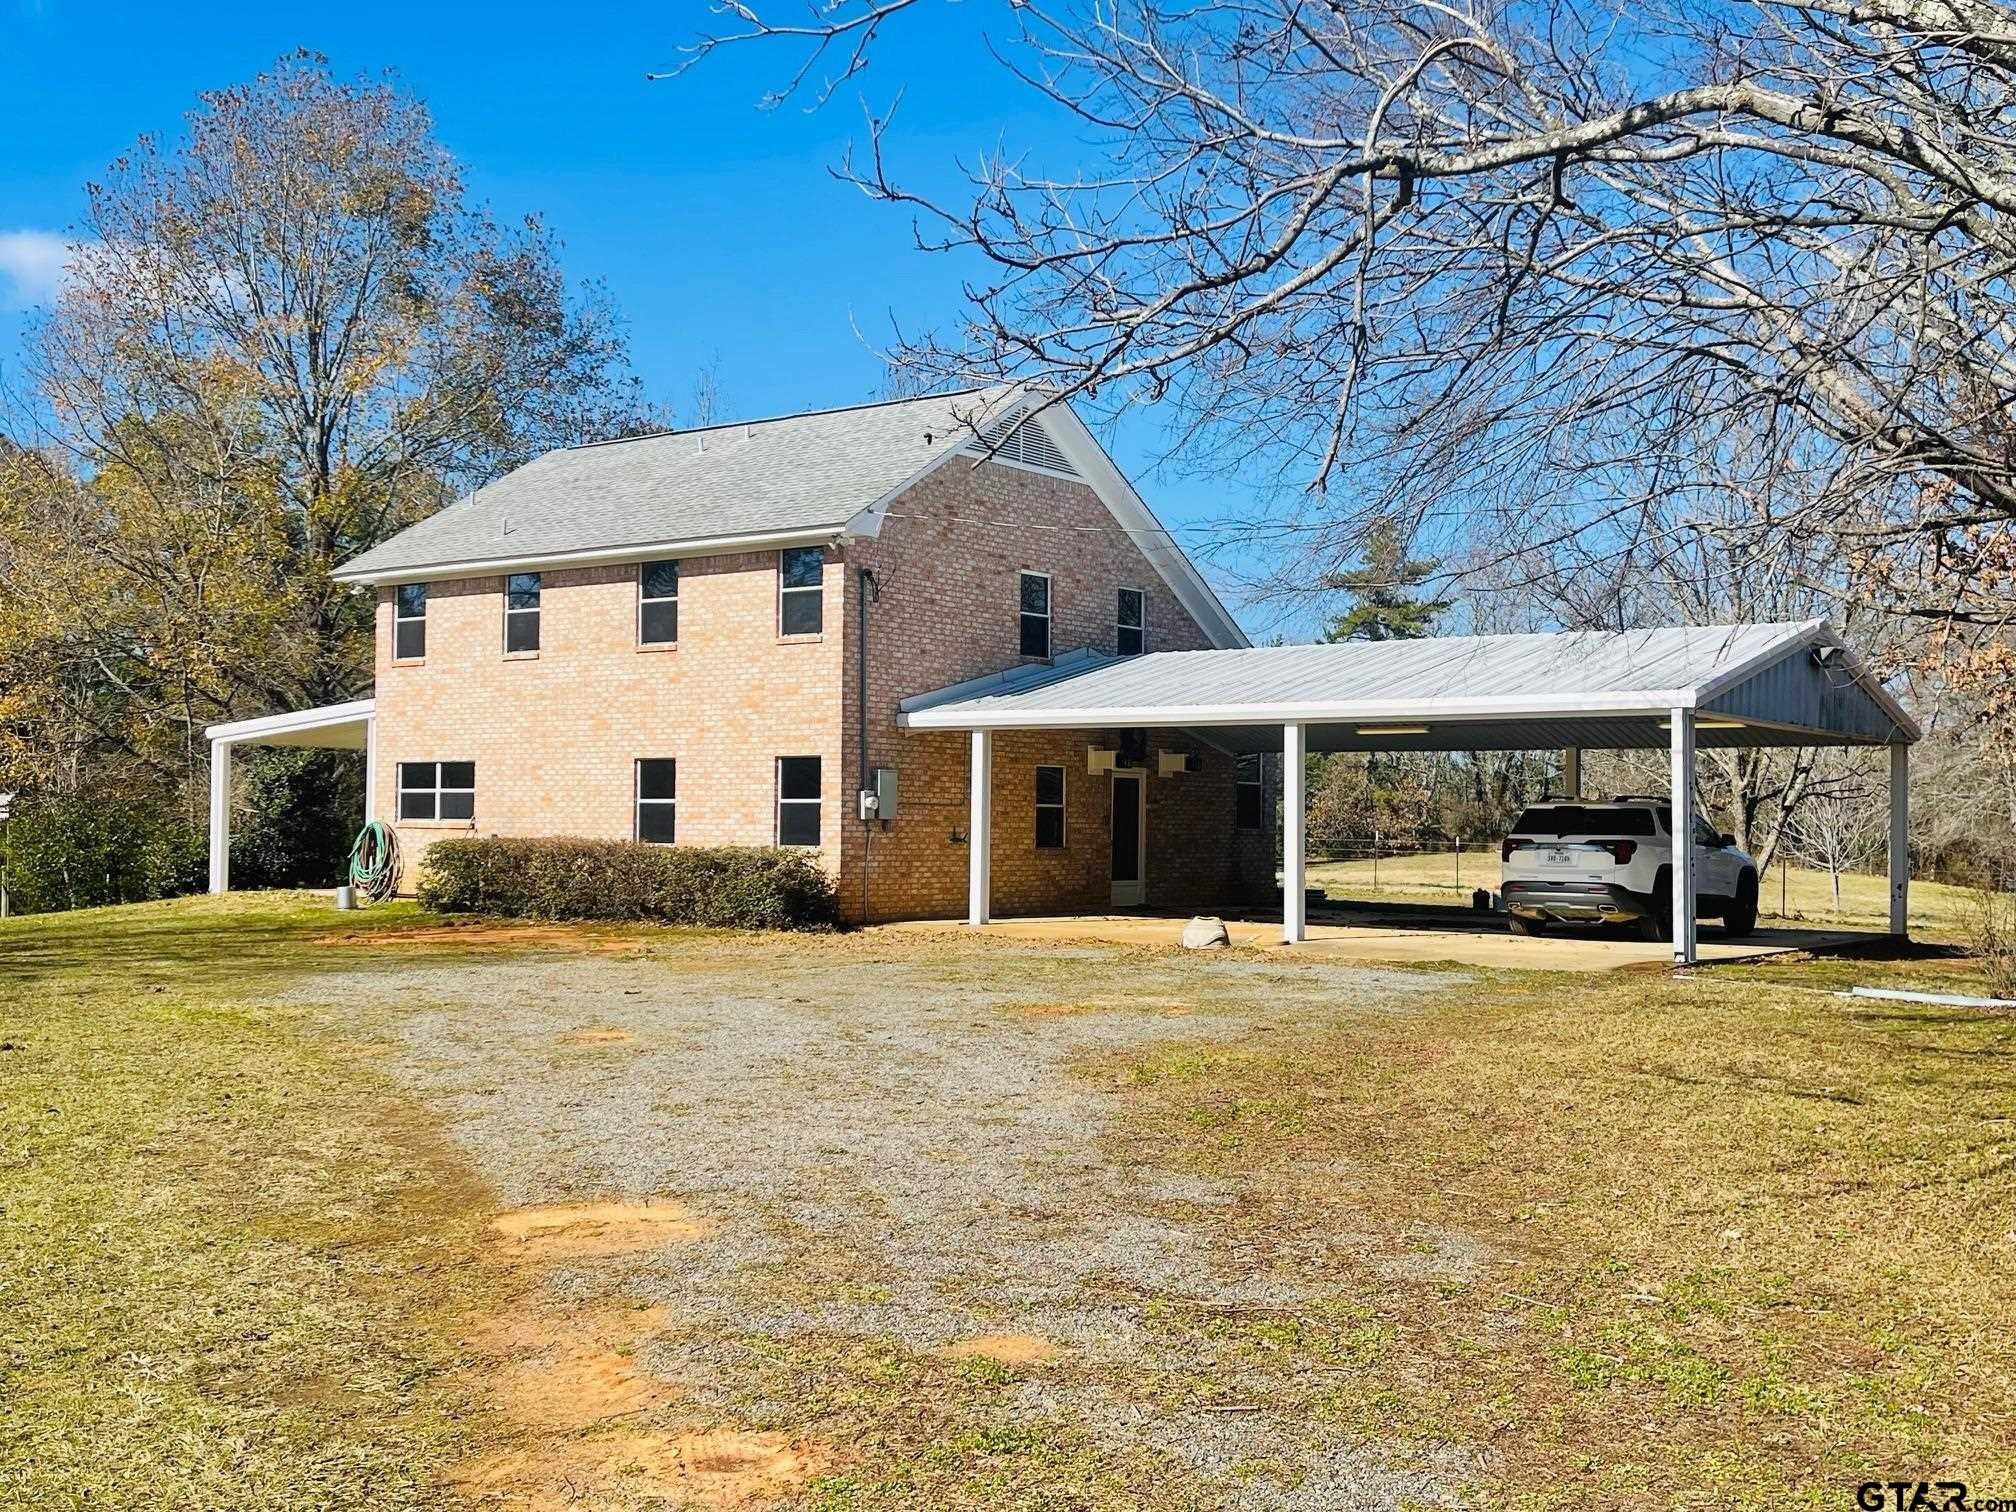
(1684, 934)
(1571, 772)
(1294, 900)
(980, 831)
(220, 816)
(1900, 836)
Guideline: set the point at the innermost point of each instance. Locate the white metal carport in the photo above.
(1793, 684)
(342, 727)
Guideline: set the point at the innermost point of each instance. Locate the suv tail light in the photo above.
(1623, 850)
(1505, 850)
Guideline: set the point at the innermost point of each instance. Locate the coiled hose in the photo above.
(374, 862)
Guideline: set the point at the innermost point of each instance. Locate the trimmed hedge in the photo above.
(732, 887)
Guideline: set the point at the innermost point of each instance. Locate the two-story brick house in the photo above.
(703, 637)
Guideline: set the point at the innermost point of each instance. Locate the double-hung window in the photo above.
(658, 604)
(801, 590)
(657, 800)
(1035, 600)
(521, 612)
(1130, 628)
(1049, 808)
(797, 800)
(437, 790)
(1250, 792)
(409, 622)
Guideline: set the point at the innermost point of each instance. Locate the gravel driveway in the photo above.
(906, 1147)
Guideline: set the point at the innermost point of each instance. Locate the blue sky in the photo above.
(716, 224)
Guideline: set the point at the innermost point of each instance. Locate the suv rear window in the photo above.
(1583, 819)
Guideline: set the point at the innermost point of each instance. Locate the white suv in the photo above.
(1571, 860)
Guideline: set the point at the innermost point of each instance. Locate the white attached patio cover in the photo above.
(342, 727)
(1716, 685)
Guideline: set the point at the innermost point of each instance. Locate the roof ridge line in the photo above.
(837, 409)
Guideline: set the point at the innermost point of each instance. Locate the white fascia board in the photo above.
(966, 717)
(294, 722)
(1151, 538)
(600, 556)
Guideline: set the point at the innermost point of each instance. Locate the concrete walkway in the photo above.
(1401, 934)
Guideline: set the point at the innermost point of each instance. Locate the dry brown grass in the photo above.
(1741, 1243)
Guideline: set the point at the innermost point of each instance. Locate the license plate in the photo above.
(1559, 857)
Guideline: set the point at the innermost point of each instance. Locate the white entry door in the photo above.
(1130, 839)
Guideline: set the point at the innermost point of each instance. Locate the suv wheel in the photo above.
(1741, 919)
(1521, 926)
(1658, 924)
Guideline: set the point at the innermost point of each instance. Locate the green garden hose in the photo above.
(374, 862)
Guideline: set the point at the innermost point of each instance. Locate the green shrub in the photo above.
(298, 811)
(734, 887)
(79, 850)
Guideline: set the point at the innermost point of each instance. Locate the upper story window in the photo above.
(801, 590)
(1049, 808)
(658, 604)
(409, 622)
(657, 800)
(1250, 792)
(797, 800)
(437, 790)
(521, 612)
(1035, 594)
(1130, 634)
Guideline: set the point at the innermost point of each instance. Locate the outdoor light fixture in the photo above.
(1392, 729)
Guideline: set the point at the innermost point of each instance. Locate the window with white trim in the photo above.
(437, 790)
(521, 612)
(658, 604)
(798, 800)
(1049, 808)
(1034, 597)
(1249, 776)
(409, 622)
(801, 590)
(1130, 623)
(657, 799)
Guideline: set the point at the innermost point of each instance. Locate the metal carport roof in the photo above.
(1749, 684)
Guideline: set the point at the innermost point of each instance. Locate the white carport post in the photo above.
(1900, 837)
(1294, 896)
(1683, 838)
(980, 832)
(220, 816)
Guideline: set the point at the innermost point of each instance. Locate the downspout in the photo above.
(869, 592)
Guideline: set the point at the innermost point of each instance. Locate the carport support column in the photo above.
(1683, 838)
(1900, 837)
(980, 832)
(1294, 897)
(1571, 772)
(220, 816)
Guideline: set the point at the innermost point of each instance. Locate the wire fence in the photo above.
(1471, 862)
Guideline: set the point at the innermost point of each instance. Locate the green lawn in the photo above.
(1744, 1243)
(1937, 910)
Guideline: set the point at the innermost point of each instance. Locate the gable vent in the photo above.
(1013, 439)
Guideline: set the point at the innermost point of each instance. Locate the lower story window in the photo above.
(1049, 808)
(437, 790)
(1251, 791)
(797, 800)
(657, 800)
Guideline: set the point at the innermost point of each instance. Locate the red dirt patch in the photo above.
(714, 1467)
(1004, 1349)
(598, 1228)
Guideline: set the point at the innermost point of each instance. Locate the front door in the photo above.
(1129, 828)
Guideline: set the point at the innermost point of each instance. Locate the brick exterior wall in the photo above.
(555, 735)
(947, 563)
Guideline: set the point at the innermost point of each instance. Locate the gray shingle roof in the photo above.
(798, 473)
